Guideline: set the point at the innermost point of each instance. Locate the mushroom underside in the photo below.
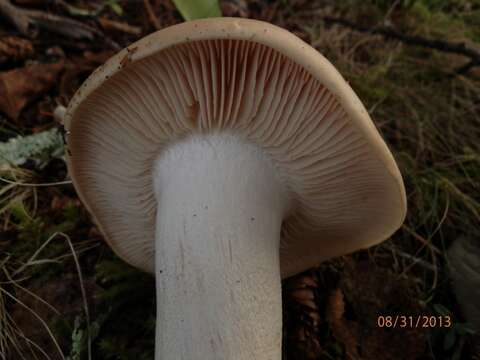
(344, 198)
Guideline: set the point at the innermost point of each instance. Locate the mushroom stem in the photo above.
(220, 209)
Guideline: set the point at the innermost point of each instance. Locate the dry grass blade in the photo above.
(425, 242)
(34, 256)
(3, 327)
(15, 283)
(84, 294)
(18, 333)
(32, 344)
(32, 262)
(66, 182)
(44, 324)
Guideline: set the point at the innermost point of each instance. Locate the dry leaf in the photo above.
(21, 86)
(13, 48)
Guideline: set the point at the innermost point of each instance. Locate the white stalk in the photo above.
(220, 209)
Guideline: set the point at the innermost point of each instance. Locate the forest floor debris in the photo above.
(428, 111)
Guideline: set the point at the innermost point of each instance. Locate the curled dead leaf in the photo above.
(21, 86)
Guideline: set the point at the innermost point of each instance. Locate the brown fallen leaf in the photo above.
(21, 86)
(13, 48)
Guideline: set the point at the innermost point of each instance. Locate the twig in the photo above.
(31, 22)
(62, 25)
(108, 24)
(75, 11)
(18, 18)
(459, 48)
(151, 15)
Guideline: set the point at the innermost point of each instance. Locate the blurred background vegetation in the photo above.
(60, 285)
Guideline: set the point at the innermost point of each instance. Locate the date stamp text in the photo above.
(415, 321)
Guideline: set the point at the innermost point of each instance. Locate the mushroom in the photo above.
(223, 155)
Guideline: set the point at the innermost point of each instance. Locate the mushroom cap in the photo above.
(249, 78)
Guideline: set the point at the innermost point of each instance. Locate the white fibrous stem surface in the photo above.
(220, 208)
